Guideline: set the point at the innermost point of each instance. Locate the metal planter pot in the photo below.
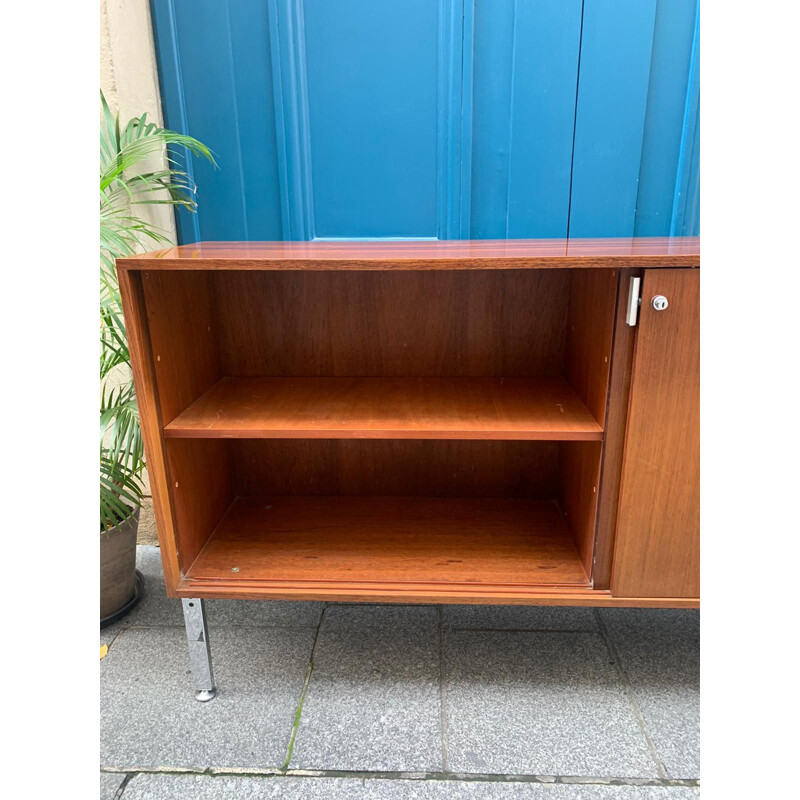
(120, 581)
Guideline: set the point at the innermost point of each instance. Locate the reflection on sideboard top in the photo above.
(425, 254)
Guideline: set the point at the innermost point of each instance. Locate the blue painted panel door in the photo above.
(443, 119)
(370, 70)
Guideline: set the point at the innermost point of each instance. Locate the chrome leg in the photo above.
(194, 614)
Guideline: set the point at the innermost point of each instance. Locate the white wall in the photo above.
(129, 76)
(129, 80)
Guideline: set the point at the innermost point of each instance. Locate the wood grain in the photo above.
(614, 436)
(416, 255)
(397, 467)
(422, 593)
(393, 539)
(294, 324)
(388, 408)
(657, 551)
(133, 306)
(579, 464)
(202, 488)
(384, 515)
(590, 334)
(183, 337)
(590, 337)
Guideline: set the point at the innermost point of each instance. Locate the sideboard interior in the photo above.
(383, 427)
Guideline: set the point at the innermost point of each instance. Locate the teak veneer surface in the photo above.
(579, 464)
(398, 499)
(392, 467)
(388, 324)
(379, 408)
(412, 255)
(657, 550)
(424, 593)
(392, 539)
(184, 348)
(614, 436)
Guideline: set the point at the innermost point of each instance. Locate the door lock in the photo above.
(659, 302)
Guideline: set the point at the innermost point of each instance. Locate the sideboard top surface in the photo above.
(424, 254)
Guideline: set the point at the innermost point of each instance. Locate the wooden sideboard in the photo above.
(422, 422)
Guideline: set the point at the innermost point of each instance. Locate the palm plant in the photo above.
(126, 182)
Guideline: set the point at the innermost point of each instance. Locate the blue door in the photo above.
(435, 119)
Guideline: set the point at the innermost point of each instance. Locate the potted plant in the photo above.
(128, 180)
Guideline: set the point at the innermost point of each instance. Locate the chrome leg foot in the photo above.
(194, 614)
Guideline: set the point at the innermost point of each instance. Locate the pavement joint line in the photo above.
(445, 775)
(116, 636)
(524, 630)
(212, 626)
(306, 683)
(443, 697)
(141, 627)
(464, 777)
(628, 689)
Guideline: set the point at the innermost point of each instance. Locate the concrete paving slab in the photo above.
(109, 783)
(155, 608)
(528, 618)
(541, 704)
(263, 613)
(107, 635)
(660, 653)
(373, 699)
(150, 719)
(204, 787)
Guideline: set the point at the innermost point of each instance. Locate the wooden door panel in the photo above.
(657, 551)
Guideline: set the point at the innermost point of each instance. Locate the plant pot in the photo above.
(120, 582)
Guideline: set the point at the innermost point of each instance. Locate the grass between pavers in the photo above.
(464, 777)
(445, 774)
(306, 684)
(298, 713)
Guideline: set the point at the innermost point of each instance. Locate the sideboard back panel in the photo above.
(509, 323)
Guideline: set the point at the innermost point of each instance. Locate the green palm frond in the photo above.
(128, 180)
(120, 432)
(120, 490)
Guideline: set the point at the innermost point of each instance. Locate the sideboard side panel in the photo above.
(133, 306)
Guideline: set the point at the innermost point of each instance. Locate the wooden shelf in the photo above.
(388, 408)
(294, 541)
